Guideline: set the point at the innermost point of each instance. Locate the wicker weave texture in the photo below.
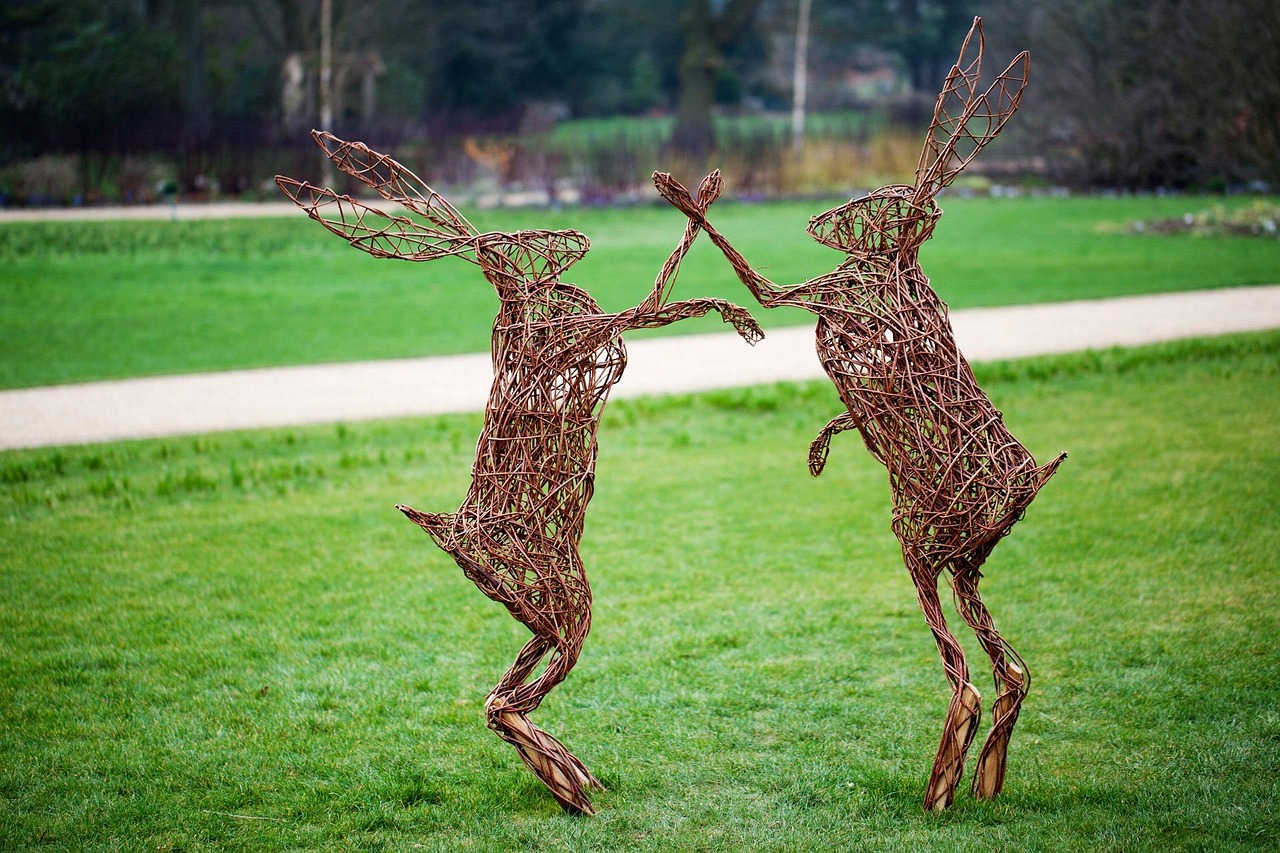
(556, 354)
(959, 478)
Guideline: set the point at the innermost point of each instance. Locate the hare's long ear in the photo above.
(382, 235)
(394, 182)
(963, 120)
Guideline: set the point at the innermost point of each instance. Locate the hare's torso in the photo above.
(517, 530)
(959, 477)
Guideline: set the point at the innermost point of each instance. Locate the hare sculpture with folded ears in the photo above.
(959, 478)
(556, 354)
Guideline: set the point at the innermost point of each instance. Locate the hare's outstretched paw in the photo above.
(742, 321)
(560, 770)
(709, 189)
(989, 778)
(679, 197)
(957, 736)
(819, 448)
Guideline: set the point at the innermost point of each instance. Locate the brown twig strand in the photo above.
(959, 478)
(556, 354)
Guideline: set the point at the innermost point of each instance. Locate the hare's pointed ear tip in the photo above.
(288, 186)
(326, 140)
(1019, 69)
(664, 183)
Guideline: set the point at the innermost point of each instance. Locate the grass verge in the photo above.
(105, 300)
(234, 642)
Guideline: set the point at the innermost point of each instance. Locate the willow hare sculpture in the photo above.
(556, 354)
(959, 478)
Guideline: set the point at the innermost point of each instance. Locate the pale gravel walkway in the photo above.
(182, 211)
(327, 393)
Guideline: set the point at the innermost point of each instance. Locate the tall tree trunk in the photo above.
(694, 133)
(800, 77)
(199, 113)
(326, 65)
(705, 36)
(326, 78)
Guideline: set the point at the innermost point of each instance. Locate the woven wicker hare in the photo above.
(959, 479)
(556, 354)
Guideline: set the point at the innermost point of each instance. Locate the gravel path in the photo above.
(327, 393)
(180, 211)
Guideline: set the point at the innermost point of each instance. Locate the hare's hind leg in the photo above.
(507, 709)
(1011, 680)
(509, 705)
(965, 709)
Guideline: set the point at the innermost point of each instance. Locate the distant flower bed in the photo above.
(1257, 219)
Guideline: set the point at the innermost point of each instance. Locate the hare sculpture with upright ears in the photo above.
(556, 354)
(959, 478)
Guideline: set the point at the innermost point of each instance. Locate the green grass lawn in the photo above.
(100, 300)
(234, 642)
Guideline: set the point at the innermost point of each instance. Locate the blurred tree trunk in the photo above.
(185, 20)
(800, 77)
(706, 34)
(289, 29)
(326, 65)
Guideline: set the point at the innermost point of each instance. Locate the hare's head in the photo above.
(514, 263)
(898, 218)
(530, 259)
(886, 220)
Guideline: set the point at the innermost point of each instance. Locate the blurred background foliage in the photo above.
(134, 100)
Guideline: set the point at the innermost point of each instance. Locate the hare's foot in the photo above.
(553, 764)
(989, 778)
(957, 735)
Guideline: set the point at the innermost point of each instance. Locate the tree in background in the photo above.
(707, 34)
(1163, 93)
(85, 74)
(1158, 94)
(926, 34)
(293, 30)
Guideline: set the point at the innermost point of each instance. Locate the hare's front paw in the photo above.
(742, 321)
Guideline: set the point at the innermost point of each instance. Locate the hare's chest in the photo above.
(866, 348)
(582, 375)
(562, 375)
(883, 361)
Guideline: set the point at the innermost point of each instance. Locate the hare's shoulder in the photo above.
(569, 299)
(563, 320)
(548, 307)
